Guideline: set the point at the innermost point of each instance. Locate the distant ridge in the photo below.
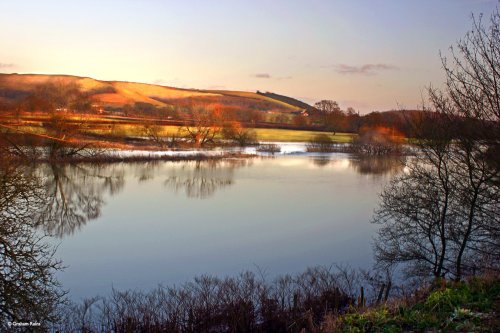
(288, 100)
(15, 87)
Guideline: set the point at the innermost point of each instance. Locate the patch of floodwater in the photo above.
(286, 148)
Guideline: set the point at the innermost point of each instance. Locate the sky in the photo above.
(367, 54)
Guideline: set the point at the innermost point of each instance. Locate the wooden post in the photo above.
(389, 284)
(381, 292)
(361, 301)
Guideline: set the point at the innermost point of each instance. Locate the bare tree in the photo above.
(334, 119)
(472, 103)
(155, 133)
(234, 131)
(205, 125)
(416, 219)
(67, 109)
(28, 288)
(442, 217)
(327, 106)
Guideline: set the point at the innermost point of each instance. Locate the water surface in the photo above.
(133, 226)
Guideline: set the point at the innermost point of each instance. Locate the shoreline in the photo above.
(107, 158)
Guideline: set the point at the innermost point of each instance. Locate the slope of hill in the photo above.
(288, 100)
(15, 87)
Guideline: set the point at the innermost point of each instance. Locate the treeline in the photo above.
(315, 117)
(325, 115)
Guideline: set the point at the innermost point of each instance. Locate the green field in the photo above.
(118, 129)
(274, 134)
(263, 134)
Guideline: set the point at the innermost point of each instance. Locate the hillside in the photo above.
(117, 94)
(288, 100)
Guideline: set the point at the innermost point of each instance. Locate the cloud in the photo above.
(262, 75)
(6, 65)
(366, 69)
(269, 76)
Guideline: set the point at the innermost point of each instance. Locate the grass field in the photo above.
(274, 134)
(263, 134)
(123, 128)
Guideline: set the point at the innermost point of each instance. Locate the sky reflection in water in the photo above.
(167, 222)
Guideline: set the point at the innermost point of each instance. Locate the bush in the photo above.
(320, 143)
(269, 148)
(378, 141)
(245, 303)
(235, 132)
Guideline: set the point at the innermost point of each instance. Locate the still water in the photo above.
(137, 225)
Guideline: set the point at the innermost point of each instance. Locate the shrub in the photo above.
(378, 141)
(235, 132)
(245, 303)
(320, 143)
(269, 148)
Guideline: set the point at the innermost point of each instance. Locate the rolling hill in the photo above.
(117, 94)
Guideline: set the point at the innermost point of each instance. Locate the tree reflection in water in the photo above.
(201, 179)
(364, 164)
(377, 165)
(28, 288)
(321, 161)
(74, 194)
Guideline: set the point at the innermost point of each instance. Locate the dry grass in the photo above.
(141, 92)
(113, 99)
(129, 92)
(87, 84)
(248, 94)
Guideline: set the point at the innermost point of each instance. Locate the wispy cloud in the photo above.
(262, 75)
(269, 76)
(366, 69)
(6, 65)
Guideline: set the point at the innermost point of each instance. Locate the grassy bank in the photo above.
(314, 301)
(471, 306)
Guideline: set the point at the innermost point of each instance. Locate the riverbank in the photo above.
(132, 156)
(301, 303)
(470, 306)
(127, 143)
